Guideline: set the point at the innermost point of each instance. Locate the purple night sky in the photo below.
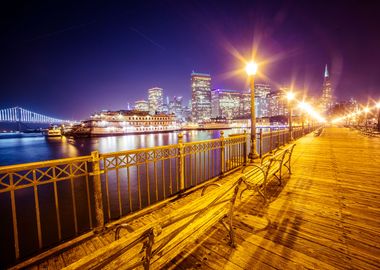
(68, 59)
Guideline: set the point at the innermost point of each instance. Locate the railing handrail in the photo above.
(41, 164)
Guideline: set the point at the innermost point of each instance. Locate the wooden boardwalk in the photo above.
(325, 216)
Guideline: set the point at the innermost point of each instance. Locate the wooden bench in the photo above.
(318, 132)
(154, 245)
(257, 176)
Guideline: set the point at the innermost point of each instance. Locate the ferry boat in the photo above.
(125, 122)
(54, 131)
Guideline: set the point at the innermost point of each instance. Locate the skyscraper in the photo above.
(141, 105)
(225, 103)
(261, 99)
(201, 96)
(156, 99)
(245, 105)
(326, 99)
(278, 103)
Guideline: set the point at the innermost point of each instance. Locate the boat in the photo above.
(54, 131)
(124, 122)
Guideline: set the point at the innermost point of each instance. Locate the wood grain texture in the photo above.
(326, 215)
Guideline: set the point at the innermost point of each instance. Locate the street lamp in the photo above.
(251, 70)
(290, 96)
(378, 115)
(302, 105)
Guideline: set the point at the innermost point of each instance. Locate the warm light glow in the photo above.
(378, 105)
(251, 68)
(310, 110)
(303, 105)
(366, 109)
(290, 95)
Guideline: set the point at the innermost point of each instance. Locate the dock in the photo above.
(326, 215)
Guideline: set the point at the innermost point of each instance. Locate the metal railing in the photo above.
(41, 201)
(276, 137)
(45, 203)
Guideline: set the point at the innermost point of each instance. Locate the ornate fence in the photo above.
(45, 203)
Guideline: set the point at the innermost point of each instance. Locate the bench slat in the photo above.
(200, 220)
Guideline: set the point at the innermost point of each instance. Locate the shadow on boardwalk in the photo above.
(325, 216)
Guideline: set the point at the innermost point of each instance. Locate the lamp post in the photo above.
(290, 97)
(251, 70)
(378, 115)
(366, 110)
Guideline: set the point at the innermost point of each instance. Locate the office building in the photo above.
(156, 100)
(327, 97)
(225, 103)
(141, 105)
(278, 103)
(261, 99)
(201, 96)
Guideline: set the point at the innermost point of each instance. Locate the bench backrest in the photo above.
(156, 244)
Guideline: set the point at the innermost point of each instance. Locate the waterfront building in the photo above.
(201, 96)
(278, 104)
(261, 99)
(326, 101)
(125, 122)
(141, 105)
(156, 100)
(186, 111)
(245, 105)
(225, 103)
(175, 107)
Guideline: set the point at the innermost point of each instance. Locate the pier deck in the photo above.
(325, 216)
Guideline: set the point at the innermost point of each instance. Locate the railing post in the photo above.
(98, 198)
(222, 153)
(261, 142)
(270, 140)
(245, 148)
(181, 162)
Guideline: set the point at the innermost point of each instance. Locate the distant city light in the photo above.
(290, 95)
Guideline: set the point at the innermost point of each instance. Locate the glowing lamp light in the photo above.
(304, 106)
(366, 109)
(378, 105)
(290, 95)
(251, 68)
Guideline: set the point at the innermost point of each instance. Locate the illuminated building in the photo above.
(261, 99)
(156, 100)
(326, 99)
(225, 103)
(141, 105)
(125, 122)
(175, 107)
(201, 96)
(278, 104)
(245, 105)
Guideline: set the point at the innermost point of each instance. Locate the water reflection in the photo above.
(39, 148)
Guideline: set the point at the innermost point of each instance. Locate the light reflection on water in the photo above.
(38, 148)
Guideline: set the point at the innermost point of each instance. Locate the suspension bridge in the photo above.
(21, 115)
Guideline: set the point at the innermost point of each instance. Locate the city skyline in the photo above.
(83, 61)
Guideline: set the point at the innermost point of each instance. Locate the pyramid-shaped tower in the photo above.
(327, 96)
